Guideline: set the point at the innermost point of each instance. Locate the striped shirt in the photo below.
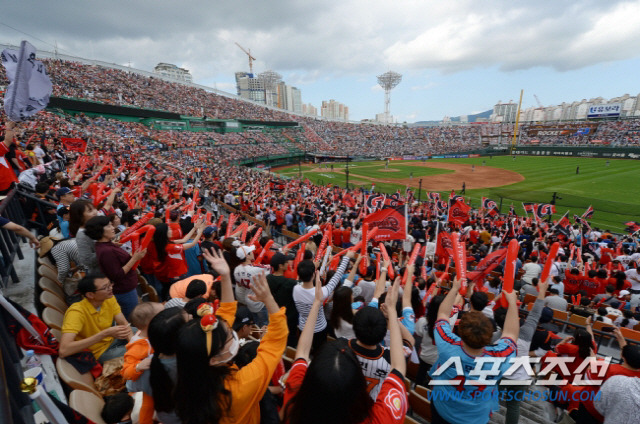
(64, 253)
(303, 298)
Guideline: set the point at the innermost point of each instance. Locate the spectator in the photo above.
(88, 324)
(334, 378)
(281, 288)
(115, 263)
(474, 335)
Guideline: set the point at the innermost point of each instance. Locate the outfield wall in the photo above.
(575, 151)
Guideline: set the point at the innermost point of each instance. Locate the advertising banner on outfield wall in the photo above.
(567, 130)
(613, 153)
(602, 111)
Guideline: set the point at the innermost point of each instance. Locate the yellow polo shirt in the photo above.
(84, 320)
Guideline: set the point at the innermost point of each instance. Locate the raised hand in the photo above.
(217, 261)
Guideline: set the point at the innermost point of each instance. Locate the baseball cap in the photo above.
(62, 191)
(209, 230)
(243, 251)
(624, 293)
(280, 259)
(546, 315)
(243, 317)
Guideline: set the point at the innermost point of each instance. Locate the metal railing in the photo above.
(9, 241)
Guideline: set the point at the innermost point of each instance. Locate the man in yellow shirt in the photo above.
(88, 324)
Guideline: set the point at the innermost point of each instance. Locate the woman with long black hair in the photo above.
(332, 389)
(341, 314)
(428, 350)
(208, 389)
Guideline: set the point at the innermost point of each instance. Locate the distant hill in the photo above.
(472, 118)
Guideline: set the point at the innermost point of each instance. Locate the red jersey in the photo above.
(572, 283)
(176, 230)
(591, 286)
(337, 237)
(7, 176)
(173, 265)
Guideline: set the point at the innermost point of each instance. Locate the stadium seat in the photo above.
(561, 315)
(630, 334)
(422, 391)
(56, 333)
(74, 379)
(87, 404)
(637, 327)
(148, 290)
(290, 353)
(45, 271)
(602, 338)
(47, 262)
(53, 318)
(412, 370)
(409, 420)
(51, 300)
(529, 298)
(576, 321)
(51, 286)
(491, 296)
(420, 406)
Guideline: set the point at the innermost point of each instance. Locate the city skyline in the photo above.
(456, 59)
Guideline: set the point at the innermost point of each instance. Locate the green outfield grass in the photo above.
(614, 190)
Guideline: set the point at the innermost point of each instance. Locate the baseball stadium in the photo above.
(173, 253)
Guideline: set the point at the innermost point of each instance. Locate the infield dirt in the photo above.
(472, 176)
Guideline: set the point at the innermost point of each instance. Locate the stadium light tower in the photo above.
(388, 81)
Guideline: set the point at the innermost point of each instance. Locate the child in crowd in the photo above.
(138, 356)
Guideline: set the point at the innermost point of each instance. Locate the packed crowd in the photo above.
(127, 209)
(118, 87)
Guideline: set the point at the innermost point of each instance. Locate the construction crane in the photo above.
(251, 58)
(538, 101)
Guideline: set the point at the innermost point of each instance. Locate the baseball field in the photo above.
(612, 186)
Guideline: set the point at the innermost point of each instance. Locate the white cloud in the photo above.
(341, 37)
(337, 41)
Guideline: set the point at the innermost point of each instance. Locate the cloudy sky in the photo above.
(456, 57)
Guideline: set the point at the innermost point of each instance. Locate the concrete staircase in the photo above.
(531, 411)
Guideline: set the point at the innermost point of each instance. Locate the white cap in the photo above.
(243, 251)
(624, 293)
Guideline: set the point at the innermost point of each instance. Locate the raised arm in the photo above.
(331, 285)
(408, 287)
(380, 284)
(398, 361)
(511, 322)
(444, 312)
(528, 329)
(219, 264)
(306, 337)
(354, 269)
